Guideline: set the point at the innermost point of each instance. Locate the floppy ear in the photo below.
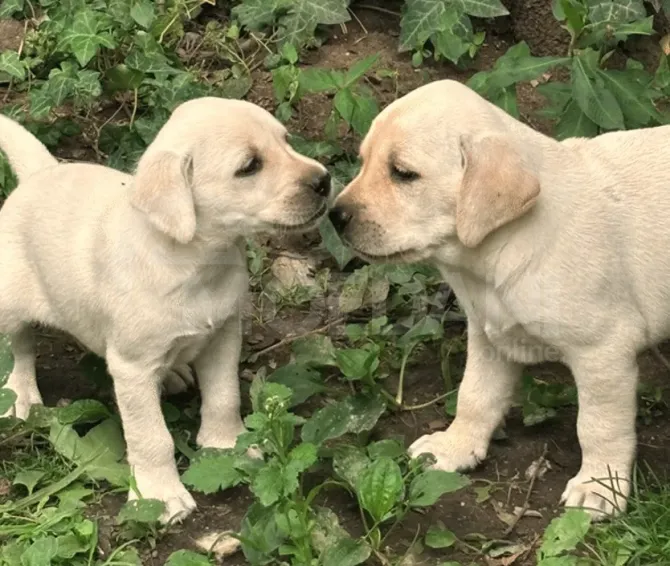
(496, 188)
(162, 190)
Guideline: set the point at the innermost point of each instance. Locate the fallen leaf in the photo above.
(219, 543)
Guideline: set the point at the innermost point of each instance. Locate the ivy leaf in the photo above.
(257, 14)
(565, 533)
(484, 8)
(303, 16)
(143, 12)
(596, 101)
(141, 511)
(213, 470)
(420, 20)
(83, 37)
(346, 552)
(10, 63)
(187, 558)
(380, 488)
(429, 486)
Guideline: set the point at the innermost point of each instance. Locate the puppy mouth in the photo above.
(311, 222)
(408, 255)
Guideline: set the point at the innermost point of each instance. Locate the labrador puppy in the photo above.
(555, 250)
(149, 270)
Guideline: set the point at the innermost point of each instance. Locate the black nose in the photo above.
(340, 218)
(320, 184)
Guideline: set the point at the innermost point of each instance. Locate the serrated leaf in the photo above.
(141, 511)
(596, 101)
(565, 533)
(346, 552)
(10, 7)
(268, 485)
(10, 63)
(438, 537)
(380, 488)
(187, 558)
(302, 381)
(429, 486)
(484, 8)
(301, 458)
(574, 123)
(212, 471)
(29, 479)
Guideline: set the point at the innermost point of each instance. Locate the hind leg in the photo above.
(22, 380)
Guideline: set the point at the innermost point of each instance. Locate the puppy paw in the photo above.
(602, 495)
(178, 380)
(453, 452)
(26, 397)
(179, 503)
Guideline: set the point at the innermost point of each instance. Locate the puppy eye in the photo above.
(251, 167)
(403, 175)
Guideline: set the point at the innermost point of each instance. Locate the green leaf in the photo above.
(299, 24)
(324, 424)
(356, 363)
(331, 239)
(317, 80)
(484, 8)
(388, 448)
(429, 486)
(82, 411)
(143, 12)
(596, 101)
(301, 458)
(103, 444)
(359, 68)
(10, 63)
(268, 485)
(6, 359)
(29, 479)
(565, 532)
(327, 530)
(40, 552)
(380, 488)
(187, 558)
(428, 328)
(421, 18)
(302, 381)
(364, 411)
(349, 462)
(438, 537)
(213, 470)
(7, 400)
(256, 14)
(84, 38)
(141, 511)
(574, 123)
(346, 552)
(357, 110)
(633, 96)
(9, 7)
(315, 350)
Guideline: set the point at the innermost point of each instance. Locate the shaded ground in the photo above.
(60, 377)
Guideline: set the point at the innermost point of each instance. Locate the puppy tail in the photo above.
(26, 154)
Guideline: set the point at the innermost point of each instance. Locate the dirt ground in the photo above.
(60, 375)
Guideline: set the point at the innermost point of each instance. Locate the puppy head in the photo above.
(225, 167)
(439, 166)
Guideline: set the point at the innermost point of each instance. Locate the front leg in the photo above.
(150, 447)
(216, 369)
(484, 397)
(607, 390)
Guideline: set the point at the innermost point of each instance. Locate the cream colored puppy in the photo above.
(149, 270)
(556, 251)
